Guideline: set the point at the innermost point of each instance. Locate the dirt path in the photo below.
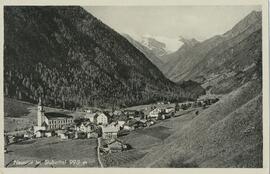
(98, 154)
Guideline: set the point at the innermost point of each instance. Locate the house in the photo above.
(133, 124)
(169, 114)
(102, 119)
(88, 111)
(117, 112)
(109, 132)
(48, 134)
(150, 123)
(127, 127)
(92, 135)
(169, 109)
(143, 121)
(116, 146)
(113, 145)
(71, 134)
(118, 124)
(85, 127)
(9, 139)
(62, 134)
(121, 123)
(91, 116)
(28, 134)
(154, 113)
(40, 133)
(131, 113)
(37, 128)
(114, 125)
(51, 120)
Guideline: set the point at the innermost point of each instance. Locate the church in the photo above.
(52, 120)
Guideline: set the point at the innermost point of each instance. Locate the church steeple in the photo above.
(40, 112)
(40, 104)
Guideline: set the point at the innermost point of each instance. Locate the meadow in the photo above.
(52, 152)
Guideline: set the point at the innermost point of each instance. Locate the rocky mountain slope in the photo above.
(146, 51)
(158, 48)
(220, 58)
(70, 58)
(175, 56)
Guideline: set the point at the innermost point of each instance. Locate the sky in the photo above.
(167, 23)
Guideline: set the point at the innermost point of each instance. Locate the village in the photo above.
(104, 126)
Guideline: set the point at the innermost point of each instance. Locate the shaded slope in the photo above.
(193, 86)
(70, 58)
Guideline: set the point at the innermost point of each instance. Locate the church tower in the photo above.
(40, 113)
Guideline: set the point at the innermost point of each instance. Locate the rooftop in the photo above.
(56, 115)
(109, 129)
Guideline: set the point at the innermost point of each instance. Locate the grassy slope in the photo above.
(53, 149)
(18, 115)
(228, 134)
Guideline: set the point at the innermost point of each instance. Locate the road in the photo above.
(98, 154)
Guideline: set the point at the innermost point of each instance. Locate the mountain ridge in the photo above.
(193, 64)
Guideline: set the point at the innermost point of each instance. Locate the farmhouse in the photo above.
(116, 146)
(109, 132)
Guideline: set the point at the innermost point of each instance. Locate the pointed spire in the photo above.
(39, 101)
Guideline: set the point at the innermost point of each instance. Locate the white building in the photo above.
(154, 113)
(102, 119)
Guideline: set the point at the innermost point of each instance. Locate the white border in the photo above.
(264, 4)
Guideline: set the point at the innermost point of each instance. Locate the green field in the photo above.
(81, 152)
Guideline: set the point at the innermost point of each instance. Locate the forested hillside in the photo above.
(70, 58)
